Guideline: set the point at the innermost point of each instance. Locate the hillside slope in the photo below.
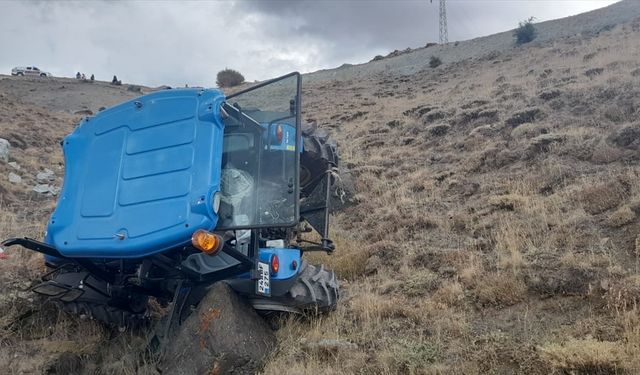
(496, 229)
(498, 218)
(412, 61)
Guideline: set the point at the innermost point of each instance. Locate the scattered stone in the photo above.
(4, 149)
(14, 178)
(46, 176)
(45, 189)
(14, 165)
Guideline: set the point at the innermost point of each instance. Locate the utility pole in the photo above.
(444, 32)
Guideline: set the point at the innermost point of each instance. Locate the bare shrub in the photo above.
(229, 78)
(526, 31)
(434, 62)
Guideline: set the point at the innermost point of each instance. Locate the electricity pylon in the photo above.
(444, 33)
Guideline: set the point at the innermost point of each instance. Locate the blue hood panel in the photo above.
(140, 177)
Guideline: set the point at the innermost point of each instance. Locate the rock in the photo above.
(4, 150)
(223, 336)
(46, 176)
(328, 347)
(45, 189)
(14, 178)
(14, 165)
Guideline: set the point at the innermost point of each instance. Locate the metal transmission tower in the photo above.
(444, 33)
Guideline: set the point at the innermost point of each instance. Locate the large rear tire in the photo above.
(319, 154)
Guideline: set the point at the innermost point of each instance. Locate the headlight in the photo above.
(215, 202)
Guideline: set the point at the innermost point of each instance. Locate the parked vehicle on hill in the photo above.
(196, 188)
(29, 71)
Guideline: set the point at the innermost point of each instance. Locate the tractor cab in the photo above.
(260, 158)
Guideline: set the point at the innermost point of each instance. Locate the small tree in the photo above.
(434, 62)
(229, 78)
(526, 31)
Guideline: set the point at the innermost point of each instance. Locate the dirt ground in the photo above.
(496, 229)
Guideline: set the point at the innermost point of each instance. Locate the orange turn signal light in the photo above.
(207, 242)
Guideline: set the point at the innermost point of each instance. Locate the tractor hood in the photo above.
(140, 177)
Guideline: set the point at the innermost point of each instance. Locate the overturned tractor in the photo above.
(176, 190)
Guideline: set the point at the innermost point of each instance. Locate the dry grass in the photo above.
(496, 216)
(585, 356)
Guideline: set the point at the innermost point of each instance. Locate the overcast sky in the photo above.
(165, 42)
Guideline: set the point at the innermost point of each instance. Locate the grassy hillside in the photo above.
(496, 230)
(497, 225)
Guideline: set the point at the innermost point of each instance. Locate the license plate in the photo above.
(263, 284)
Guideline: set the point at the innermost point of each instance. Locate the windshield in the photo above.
(259, 180)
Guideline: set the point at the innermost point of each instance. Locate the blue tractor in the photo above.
(173, 191)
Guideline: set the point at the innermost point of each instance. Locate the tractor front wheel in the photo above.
(315, 291)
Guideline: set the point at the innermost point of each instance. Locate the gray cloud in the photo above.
(175, 43)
